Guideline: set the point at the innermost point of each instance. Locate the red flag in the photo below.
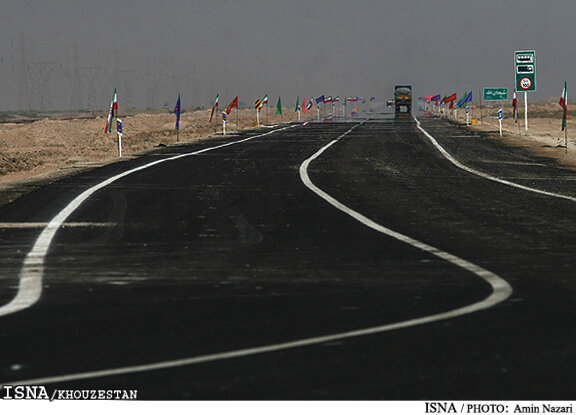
(450, 99)
(233, 104)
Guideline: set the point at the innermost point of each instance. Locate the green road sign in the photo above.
(525, 70)
(495, 94)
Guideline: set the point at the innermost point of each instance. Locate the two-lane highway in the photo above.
(217, 274)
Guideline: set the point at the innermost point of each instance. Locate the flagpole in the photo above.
(119, 135)
(481, 122)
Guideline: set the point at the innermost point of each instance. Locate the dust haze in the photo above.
(62, 55)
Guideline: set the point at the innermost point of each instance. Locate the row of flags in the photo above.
(467, 97)
(258, 105)
(448, 99)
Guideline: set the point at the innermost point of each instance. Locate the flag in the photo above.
(320, 99)
(233, 104)
(461, 100)
(515, 105)
(450, 100)
(113, 106)
(435, 98)
(466, 98)
(304, 105)
(328, 99)
(564, 104)
(177, 112)
(310, 103)
(562, 99)
(279, 107)
(297, 104)
(214, 107)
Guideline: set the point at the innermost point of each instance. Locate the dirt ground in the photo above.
(35, 152)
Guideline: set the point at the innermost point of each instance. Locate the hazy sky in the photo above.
(59, 54)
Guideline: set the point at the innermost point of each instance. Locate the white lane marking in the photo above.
(36, 225)
(501, 291)
(32, 271)
(484, 175)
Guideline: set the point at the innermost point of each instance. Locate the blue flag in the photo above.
(177, 109)
(320, 99)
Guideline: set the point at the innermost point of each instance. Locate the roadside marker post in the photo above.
(500, 120)
(119, 130)
(223, 122)
(467, 115)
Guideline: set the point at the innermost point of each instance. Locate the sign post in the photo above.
(467, 114)
(500, 120)
(525, 71)
(119, 130)
(223, 122)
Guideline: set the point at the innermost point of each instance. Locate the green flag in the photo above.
(279, 107)
(297, 104)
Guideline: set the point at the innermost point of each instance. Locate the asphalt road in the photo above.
(227, 250)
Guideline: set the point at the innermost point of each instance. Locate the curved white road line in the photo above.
(484, 175)
(501, 290)
(32, 271)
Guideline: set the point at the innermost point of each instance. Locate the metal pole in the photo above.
(481, 121)
(526, 109)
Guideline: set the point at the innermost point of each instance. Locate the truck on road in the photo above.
(403, 99)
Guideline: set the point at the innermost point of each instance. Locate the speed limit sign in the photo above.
(525, 83)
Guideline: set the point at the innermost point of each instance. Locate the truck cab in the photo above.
(403, 99)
